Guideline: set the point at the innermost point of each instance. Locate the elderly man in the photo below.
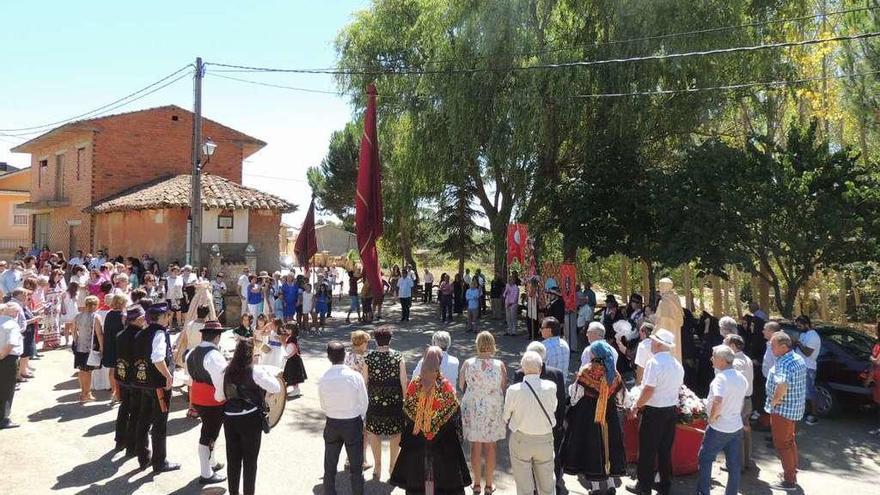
(743, 364)
(558, 353)
(724, 407)
(643, 351)
(12, 279)
(449, 364)
(595, 331)
(11, 347)
(531, 439)
(727, 326)
(661, 383)
(786, 393)
(558, 377)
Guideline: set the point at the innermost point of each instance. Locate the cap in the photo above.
(158, 308)
(134, 312)
(664, 337)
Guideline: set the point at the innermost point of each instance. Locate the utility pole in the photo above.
(195, 227)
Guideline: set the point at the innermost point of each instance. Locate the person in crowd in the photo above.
(481, 282)
(294, 369)
(189, 339)
(151, 285)
(153, 375)
(724, 405)
(343, 397)
(483, 379)
(174, 285)
(661, 383)
(355, 359)
(386, 384)
(555, 304)
(727, 326)
(558, 352)
(354, 295)
(635, 311)
(189, 278)
(595, 332)
(786, 394)
(586, 305)
(448, 364)
(743, 364)
(29, 320)
(531, 446)
(289, 294)
(643, 351)
(322, 305)
(218, 291)
(11, 348)
(510, 297)
(473, 305)
(245, 328)
(458, 292)
(445, 294)
(87, 337)
(123, 371)
(496, 294)
(593, 445)
(69, 310)
(428, 280)
(244, 387)
(394, 279)
(404, 293)
(243, 283)
(431, 458)
(306, 311)
(114, 322)
(366, 297)
(254, 296)
(206, 365)
(12, 279)
(808, 345)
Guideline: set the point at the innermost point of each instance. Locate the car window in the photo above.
(856, 344)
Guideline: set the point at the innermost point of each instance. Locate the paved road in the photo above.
(65, 447)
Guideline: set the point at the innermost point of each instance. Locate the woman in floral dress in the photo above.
(484, 380)
(386, 384)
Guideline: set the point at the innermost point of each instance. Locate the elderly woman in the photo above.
(431, 460)
(386, 384)
(114, 322)
(593, 445)
(483, 380)
(88, 335)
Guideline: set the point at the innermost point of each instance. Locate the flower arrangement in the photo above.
(690, 407)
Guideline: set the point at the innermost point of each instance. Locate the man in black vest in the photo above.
(206, 365)
(126, 417)
(153, 367)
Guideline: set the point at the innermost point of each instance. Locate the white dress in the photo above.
(483, 403)
(276, 355)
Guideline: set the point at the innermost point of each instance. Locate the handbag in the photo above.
(94, 359)
(539, 402)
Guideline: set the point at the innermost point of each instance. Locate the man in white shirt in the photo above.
(724, 408)
(643, 351)
(243, 284)
(808, 346)
(528, 412)
(769, 358)
(404, 292)
(595, 331)
(428, 280)
(448, 364)
(11, 347)
(661, 383)
(744, 365)
(343, 398)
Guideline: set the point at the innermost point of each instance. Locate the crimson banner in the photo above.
(568, 285)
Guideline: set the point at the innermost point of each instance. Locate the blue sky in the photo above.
(61, 58)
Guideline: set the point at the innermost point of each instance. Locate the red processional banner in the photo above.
(568, 285)
(517, 237)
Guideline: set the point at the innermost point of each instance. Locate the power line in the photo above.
(275, 178)
(280, 86)
(582, 63)
(102, 107)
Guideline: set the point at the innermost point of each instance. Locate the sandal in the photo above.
(476, 489)
(489, 490)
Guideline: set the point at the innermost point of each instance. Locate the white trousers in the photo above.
(531, 458)
(511, 317)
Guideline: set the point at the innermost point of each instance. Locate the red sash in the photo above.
(202, 394)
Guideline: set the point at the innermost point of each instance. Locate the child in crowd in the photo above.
(294, 370)
(322, 305)
(307, 307)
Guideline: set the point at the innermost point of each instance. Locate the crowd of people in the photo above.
(118, 318)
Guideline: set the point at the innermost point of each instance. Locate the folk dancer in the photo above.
(205, 365)
(129, 404)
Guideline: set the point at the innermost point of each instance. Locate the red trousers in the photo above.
(783, 431)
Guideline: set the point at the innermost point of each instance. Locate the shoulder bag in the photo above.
(527, 384)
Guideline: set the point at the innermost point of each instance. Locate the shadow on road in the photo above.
(343, 486)
(91, 472)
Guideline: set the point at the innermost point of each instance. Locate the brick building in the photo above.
(99, 184)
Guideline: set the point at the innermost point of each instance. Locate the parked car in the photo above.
(842, 367)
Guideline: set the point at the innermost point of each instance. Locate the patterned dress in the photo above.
(483, 402)
(385, 410)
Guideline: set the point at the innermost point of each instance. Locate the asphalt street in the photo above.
(65, 447)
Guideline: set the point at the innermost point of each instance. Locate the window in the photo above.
(225, 219)
(44, 164)
(59, 176)
(80, 155)
(20, 216)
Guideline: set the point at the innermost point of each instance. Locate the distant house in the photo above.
(14, 220)
(121, 183)
(333, 240)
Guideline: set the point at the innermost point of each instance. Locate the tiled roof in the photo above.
(174, 192)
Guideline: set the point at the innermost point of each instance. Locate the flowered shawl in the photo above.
(594, 378)
(429, 408)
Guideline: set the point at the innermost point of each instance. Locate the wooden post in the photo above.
(764, 293)
(841, 297)
(702, 293)
(857, 296)
(717, 308)
(646, 284)
(734, 276)
(725, 297)
(624, 278)
(688, 288)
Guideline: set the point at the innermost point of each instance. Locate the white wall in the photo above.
(237, 234)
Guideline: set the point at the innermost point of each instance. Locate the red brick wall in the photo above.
(161, 233)
(263, 236)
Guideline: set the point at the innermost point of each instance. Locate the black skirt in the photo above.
(584, 450)
(294, 370)
(444, 454)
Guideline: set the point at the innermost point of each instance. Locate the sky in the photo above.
(62, 58)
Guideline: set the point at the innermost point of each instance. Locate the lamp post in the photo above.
(207, 151)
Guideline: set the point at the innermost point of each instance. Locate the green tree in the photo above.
(333, 182)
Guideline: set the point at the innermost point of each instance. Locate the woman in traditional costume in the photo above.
(593, 445)
(431, 458)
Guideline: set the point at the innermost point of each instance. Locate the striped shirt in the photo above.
(791, 370)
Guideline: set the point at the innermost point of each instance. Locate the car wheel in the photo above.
(826, 401)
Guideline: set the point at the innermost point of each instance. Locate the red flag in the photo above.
(368, 198)
(306, 242)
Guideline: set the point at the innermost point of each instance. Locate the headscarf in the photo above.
(601, 350)
(430, 399)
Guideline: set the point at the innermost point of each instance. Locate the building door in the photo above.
(41, 230)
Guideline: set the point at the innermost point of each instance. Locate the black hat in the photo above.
(213, 327)
(158, 308)
(133, 313)
(636, 297)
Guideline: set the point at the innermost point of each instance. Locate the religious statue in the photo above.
(670, 314)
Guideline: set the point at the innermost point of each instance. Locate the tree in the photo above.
(333, 182)
(456, 221)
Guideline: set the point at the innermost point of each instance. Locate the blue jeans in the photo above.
(714, 442)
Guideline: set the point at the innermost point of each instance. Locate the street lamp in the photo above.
(208, 149)
(195, 231)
